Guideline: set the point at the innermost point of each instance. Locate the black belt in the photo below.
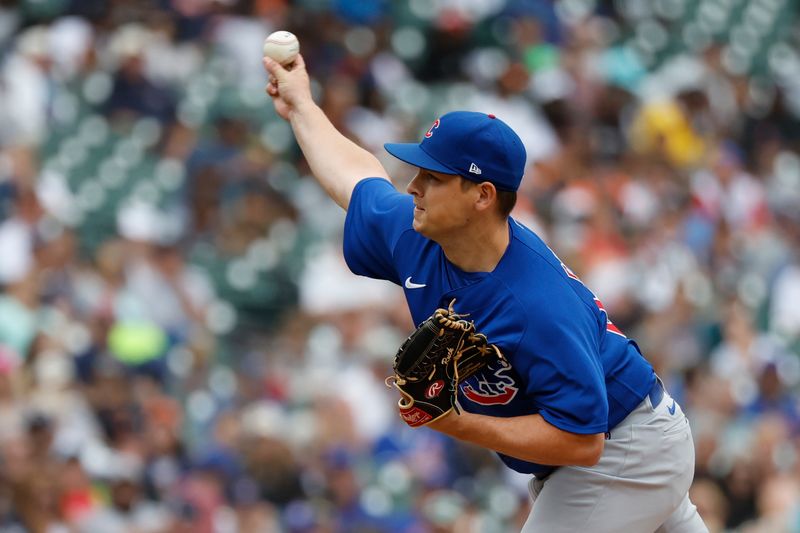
(656, 393)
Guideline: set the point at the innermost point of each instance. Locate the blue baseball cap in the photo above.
(476, 146)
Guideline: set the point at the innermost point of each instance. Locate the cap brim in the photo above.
(414, 155)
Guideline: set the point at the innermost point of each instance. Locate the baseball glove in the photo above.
(442, 352)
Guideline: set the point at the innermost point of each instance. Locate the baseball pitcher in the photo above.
(513, 352)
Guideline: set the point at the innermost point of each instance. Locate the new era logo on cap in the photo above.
(473, 169)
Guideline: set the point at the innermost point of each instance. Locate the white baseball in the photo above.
(282, 46)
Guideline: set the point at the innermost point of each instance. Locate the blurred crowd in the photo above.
(182, 347)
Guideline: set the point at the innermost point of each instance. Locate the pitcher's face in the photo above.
(442, 206)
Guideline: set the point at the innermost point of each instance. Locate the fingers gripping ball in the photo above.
(442, 352)
(281, 46)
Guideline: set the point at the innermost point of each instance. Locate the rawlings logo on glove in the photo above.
(442, 352)
(434, 390)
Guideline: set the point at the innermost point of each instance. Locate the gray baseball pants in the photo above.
(640, 484)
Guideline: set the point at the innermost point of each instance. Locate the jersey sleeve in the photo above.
(559, 358)
(376, 218)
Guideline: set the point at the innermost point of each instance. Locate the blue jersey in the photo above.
(565, 359)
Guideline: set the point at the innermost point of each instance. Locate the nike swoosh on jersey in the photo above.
(411, 285)
(671, 408)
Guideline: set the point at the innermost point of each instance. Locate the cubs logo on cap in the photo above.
(433, 127)
(475, 146)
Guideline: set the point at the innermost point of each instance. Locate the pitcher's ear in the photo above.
(487, 195)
